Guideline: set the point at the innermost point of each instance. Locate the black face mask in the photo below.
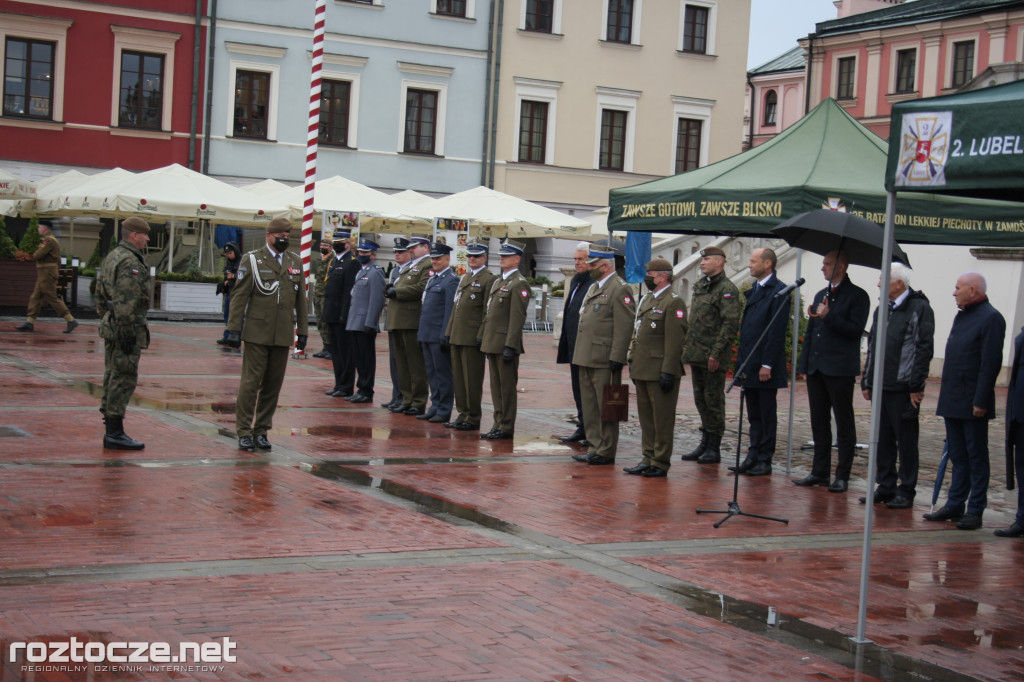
(281, 244)
(325, 251)
(649, 282)
(363, 259)
(339, 248)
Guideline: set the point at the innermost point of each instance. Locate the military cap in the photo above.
(712, 251)
(599, 251)
(511, 248)
(401, 244)
(279, 225)
(367, 245)
(413, 241)
(135, 224)
(659, 265)
(341, 235)
(475, 248)
(437, 249)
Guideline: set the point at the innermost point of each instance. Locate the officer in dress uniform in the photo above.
(364, 319)
(270, 294)
(501, 338)
(606, 326)
(406, 296)
(47, 258)
(656, 367)
(438, 300)
(463, 332)
(318, 273)
(401, 250)
(341, 275)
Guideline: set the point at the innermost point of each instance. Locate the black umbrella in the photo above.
(824, 230)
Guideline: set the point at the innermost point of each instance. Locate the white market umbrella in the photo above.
(379, 212)
(71, 195)
(14, 187)
(495, 214)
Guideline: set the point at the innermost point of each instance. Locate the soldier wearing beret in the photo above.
(47, 258)
(318, 274)
(602, 342)
(438, 300)
(364, 319)
(270, 295)
(714, 320)
(122, 299)
(406, 296)
(501, 338)
(463, 332)
(656, 367)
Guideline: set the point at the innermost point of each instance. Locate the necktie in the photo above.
(892, 305)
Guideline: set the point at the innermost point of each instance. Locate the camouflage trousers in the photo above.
(709, 396)
(120, 374)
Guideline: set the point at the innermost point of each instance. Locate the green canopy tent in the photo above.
(827, 159)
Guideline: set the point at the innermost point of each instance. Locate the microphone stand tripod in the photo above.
(734, 505)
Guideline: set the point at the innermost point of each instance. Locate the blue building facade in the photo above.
(403, 101)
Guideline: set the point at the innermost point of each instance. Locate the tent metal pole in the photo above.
(793, 359)
(876, 409)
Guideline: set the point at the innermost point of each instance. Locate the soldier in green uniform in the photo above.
(271, 295)
(122, 299)
(656, 367)
(464, 328)
(501, 338)
(47, 258)
(318, 273)
(714, 321)
(602, 341)
(406, 296)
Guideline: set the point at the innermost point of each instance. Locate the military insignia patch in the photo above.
(627, 300)
(680, 314)
(135, 271)
(525, 293)
(726, 295)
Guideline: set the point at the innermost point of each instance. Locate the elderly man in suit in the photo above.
(602, 342)
(270, 295)
(765, 371)
(438, 300)
(364, 318)
(575, 290)
(463, 334)
(831, 362)
(967, 399)
(1015, 434)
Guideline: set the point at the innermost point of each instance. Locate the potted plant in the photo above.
(17, 269)
(189, 291)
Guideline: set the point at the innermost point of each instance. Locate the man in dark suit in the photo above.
(765, 372)
(575, 290)
(438, 300)
(967, 399)
(341, 275)
(831, 362)
(1015, 434)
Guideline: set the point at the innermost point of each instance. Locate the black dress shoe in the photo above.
(760, 469)
(811, 479)
(413, 411)
(344, 394)
(262, 443)
(70, 327)
(838, 486)
(387, 406)
(466, 426)
(944, 514)
(222, 342)
(452, 425)
(423, 417)
(489, 433)
(744, 467)
(331, 391)
(438, 419)
(245, 443)
(709, 457)
(26, 327)
(600, 460)
(582, 458)
(584, 443)
(1014, 531)
(636, 469)
(655, 472)
(577, 436)
(898, 502)
(969, 522)
(399, 407)
(499, 435)
(360, 398)
(880, 498)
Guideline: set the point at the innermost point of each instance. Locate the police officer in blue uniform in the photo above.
(364, 318)
(438, 301)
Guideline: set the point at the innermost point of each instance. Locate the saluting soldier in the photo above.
(341, 275)
(602, 341)
(270, 295)
(714, 321)
(47, 258)
(401, 251)
(318, 273)
(501, 338)
(438, 300)
(364, 319)
(465, 329)
(122, 299)
(406, 296)
(656, 367)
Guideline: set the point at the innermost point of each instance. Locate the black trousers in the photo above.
(762, 404)
(897, 440)
(829, 395)
(574, 373)
(364, 360)
(342, 359)
(396, 387)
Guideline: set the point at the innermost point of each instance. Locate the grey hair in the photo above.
(583, 246)
(899, 271)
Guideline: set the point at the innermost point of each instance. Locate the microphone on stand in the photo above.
(795, 285)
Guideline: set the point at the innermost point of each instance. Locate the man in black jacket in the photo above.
(341, 276)
(765, 373)
(967, 399)
(831, 362)
(575, 289)
(1015, 434)
(909, 346)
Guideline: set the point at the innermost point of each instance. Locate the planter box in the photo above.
(85, 298)
(190, 297)
(19, 280)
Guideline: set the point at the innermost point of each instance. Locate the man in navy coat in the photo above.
(967, 399)
(575, 290)
(438, 300)
(1015, 433)
(765, 372)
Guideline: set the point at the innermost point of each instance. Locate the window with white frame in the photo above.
(963, 63)
(252, 107)
(616, 129)
(846, 74)
(423, 110)
(143, 93)
(536, 109)
(541, 16)
(622, 21)
(32, 52)
(771, 105)
(698, 20)
(691, 128)
(465, 9)
(903, 68)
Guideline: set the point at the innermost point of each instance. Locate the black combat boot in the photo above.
(699, 450)
(712, 455)
(116, 438)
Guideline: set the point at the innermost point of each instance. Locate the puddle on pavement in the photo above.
(173, 400)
